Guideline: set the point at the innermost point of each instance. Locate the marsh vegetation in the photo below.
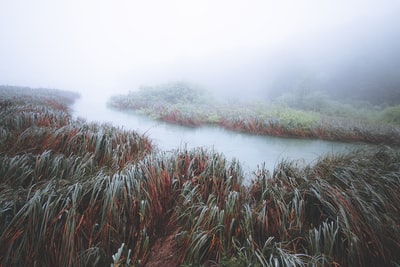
(301, 113)
(75, 193)
(253, 135)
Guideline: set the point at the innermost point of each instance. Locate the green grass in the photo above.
(74, 193)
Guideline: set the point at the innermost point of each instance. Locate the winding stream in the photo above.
(250, 150)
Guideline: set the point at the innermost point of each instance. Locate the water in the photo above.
(250, 150)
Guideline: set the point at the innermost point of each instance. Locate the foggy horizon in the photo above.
(226, 46)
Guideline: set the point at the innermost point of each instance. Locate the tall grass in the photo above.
(207, 206)
(339, 212)
(62, 185)
(79, 194)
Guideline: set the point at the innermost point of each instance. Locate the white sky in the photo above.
(75, 44)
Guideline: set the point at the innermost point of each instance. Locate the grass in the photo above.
(74, 193)
(333, 213)
(307, 114)
(56, 175)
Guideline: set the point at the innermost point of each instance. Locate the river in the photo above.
(250, 150)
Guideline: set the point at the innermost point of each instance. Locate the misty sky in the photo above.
(118, 45)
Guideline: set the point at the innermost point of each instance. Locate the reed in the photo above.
(74, 193)
(207, 207)
(64, 195)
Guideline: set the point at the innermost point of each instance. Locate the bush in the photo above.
(173, 93)
(390, 115)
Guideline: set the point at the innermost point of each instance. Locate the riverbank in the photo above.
(181, 104)
(251, 150)
(76, 193)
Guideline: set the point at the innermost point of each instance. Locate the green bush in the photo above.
(172, 93)
(390, 115)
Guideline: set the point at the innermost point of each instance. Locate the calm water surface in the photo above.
(250, 150)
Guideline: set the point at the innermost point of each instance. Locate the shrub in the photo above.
(390, 115)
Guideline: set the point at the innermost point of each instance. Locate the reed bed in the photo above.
(74, 193)
(56, 174)
(339, 122)
(340, 212)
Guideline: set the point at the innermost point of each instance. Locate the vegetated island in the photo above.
(302, 113)
(74, 193)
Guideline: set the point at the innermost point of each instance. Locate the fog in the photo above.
(228, 47)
